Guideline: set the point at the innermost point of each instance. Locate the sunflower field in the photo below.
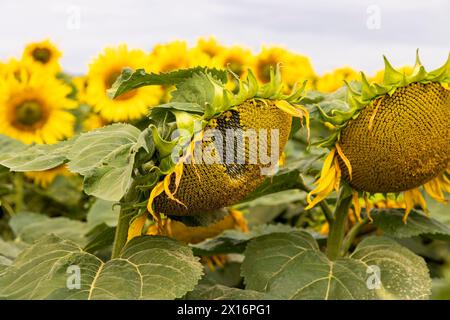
(215, 172)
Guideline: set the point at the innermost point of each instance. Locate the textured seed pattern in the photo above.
(208, 187)
(408, 144)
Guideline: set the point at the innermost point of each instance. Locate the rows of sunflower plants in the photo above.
(215, 172)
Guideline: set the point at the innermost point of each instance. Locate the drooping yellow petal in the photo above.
(337, 181)
(135, 229)
(413, 197)
(345, 159)
(368, 206)
(356, 204)
(167, 190)
(433, 188)
(156, 191)
(295, 111)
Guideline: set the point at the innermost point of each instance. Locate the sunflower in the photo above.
(81, 84)
(43, 55)
(236, 58)
(189, 186)
(209, 46)
(169, 57)
(395, 138)
(16, 68)
(34, 109)
(93, 121)
(103, 72)
(334, 80)
(294, 66)
(44, 178)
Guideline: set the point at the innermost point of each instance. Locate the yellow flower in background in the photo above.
(209, 46)
(237, 58)
(168, 57)
(81, 83)
(379, 76)
(103, 72)
(295, 68)
(44, 178)
(44, 55)
(35, 109)
(334, 80)
(16, 68)
(93, 121)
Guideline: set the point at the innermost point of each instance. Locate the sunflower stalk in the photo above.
(125, 216)
(337, 230)
(352, 234)
(18, 188)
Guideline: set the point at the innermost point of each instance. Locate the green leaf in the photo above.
(100, 237)
(65, 190)
(105, 157)
(8, 144)
(291, 266)
(9, 250)
(38, 157)
(103, 211)
(130, 80)
(220, 292)
(28, 227)
(148, 268)
(390, 221)
(234, 241)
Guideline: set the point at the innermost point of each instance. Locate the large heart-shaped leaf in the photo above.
(148, 268)
(105, 157)
(291, 266)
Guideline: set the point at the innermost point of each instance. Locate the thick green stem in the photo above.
(18, 188)
(126, 214)
(337, 230)
(120, 239)
(352, 234)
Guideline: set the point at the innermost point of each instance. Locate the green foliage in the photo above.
(390, 221)
(130, 80)
(148, 268)
(291, 266)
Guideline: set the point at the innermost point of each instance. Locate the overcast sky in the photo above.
(332, 33)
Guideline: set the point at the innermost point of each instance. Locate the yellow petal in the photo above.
(156, 191)
(356, 204)
(345, 159)
(368, 206)
(135, 229)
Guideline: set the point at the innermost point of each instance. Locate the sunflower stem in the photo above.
(123, 223)
(18, 188)
(337, 230)
(352, 234)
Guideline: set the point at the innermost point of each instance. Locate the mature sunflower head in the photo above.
(44, 55)
(35, 109)
(227, 143)
(394, 139)
(103, 72)
(293, 66)
(334, 80)
(225, 175)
